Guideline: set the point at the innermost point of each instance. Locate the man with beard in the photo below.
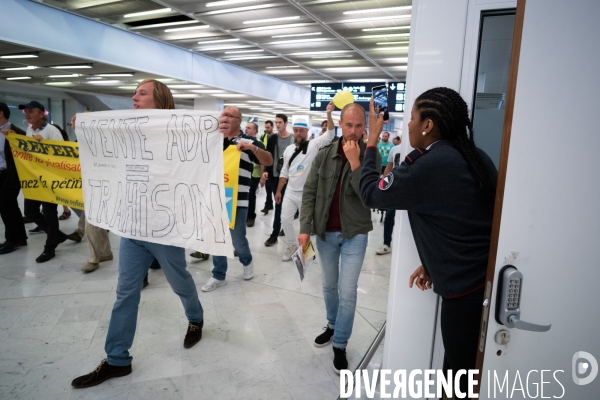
(297, 161)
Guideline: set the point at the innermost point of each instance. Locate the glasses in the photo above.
(231, 116)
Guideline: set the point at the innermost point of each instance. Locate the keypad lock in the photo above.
(508, 306)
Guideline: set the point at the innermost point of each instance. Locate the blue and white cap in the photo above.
(300, 123)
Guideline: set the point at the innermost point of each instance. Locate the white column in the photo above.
(208, 104)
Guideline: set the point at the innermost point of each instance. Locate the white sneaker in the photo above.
(291, 249)
(212, 284)
(248, 271)
(383, 250)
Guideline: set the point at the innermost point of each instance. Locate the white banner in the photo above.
(157, 176)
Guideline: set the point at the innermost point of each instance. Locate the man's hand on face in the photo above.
(352, 151)
(224, 124)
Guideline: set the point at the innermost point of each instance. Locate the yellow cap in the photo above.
(343, 98)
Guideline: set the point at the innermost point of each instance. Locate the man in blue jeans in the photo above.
(333, 210)
(252, 151)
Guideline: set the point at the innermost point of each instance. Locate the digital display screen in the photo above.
(322, 93)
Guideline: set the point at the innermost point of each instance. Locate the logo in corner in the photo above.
(582, 361)
(386, 182)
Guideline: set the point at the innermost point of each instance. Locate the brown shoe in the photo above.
(90, 267)
(104, 372)
(75, 236)
(107, 258)
(194, 334)
(250, 223)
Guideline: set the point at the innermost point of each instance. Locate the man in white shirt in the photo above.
(41, 130)
(297, 161)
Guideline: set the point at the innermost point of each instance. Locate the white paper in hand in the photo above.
(303, 260)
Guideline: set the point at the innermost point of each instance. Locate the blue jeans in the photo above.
(135, 258)
(388, 227)
(240, 244)
(340, 284)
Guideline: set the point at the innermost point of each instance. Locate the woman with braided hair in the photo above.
(447, 185)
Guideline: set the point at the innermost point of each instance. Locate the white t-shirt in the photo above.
(392, 156)
(46, 131)
(297, 172)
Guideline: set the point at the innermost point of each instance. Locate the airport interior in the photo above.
(405, 186)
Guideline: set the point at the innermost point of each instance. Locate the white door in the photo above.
(550, 226)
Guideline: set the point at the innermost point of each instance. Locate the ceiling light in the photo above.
(255, 108)
(117, 74)
(150, 26)
(94, 77)
(31, 54)
(217, 48)
(186, 86)
(401, 48)
(228, 2)
(73, 66)
(308, 53)
(334, 56)
(369, 19)
(90, 3)
(151, 12)
(284, 66)
(299, 41)
(258, 21)
(219, 41)
(381, 36)
(59, 83)
(237, 9)
(128, 87)
(374, 10)
(17, 78)
(388, 43)
(247, 58)
(187, 28)
(397, 60)
(244, 51)
(209, 91)
(297, 34)
(389, 28)
(19, 68)
(348, 69)
(64, 76)
(186, 95)
(275, 27)
(103, 82)
(230, 95)
(161, 79)
(286, 71)
(236, 105)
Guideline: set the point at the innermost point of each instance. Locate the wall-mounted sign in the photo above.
(322, 93)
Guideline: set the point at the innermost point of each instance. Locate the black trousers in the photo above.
(277, 218)
(252, 200)
(460, 321)
(48, 222)
(270, 194)
(14, 228)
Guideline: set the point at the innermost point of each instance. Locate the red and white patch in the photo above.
(386, 182)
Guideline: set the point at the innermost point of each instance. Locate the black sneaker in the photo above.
(271, 241)
(104, 372)
(281, 233)
(45, 256)
(339, 360)
(26, 220)
(297, 215)
(200, 255)
(324, 338)
(145, 281)
(9, 247)
(37, 229)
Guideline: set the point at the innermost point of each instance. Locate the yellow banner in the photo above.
(49, 170)
(231, 161)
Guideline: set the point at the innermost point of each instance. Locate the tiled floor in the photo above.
(257, 338)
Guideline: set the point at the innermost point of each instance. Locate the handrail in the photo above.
(370, 352)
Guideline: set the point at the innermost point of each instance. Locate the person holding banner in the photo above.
(10, 186)
(40, 129)
(135, 257)
(251, 151)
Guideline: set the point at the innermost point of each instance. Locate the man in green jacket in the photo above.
(333, 210)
